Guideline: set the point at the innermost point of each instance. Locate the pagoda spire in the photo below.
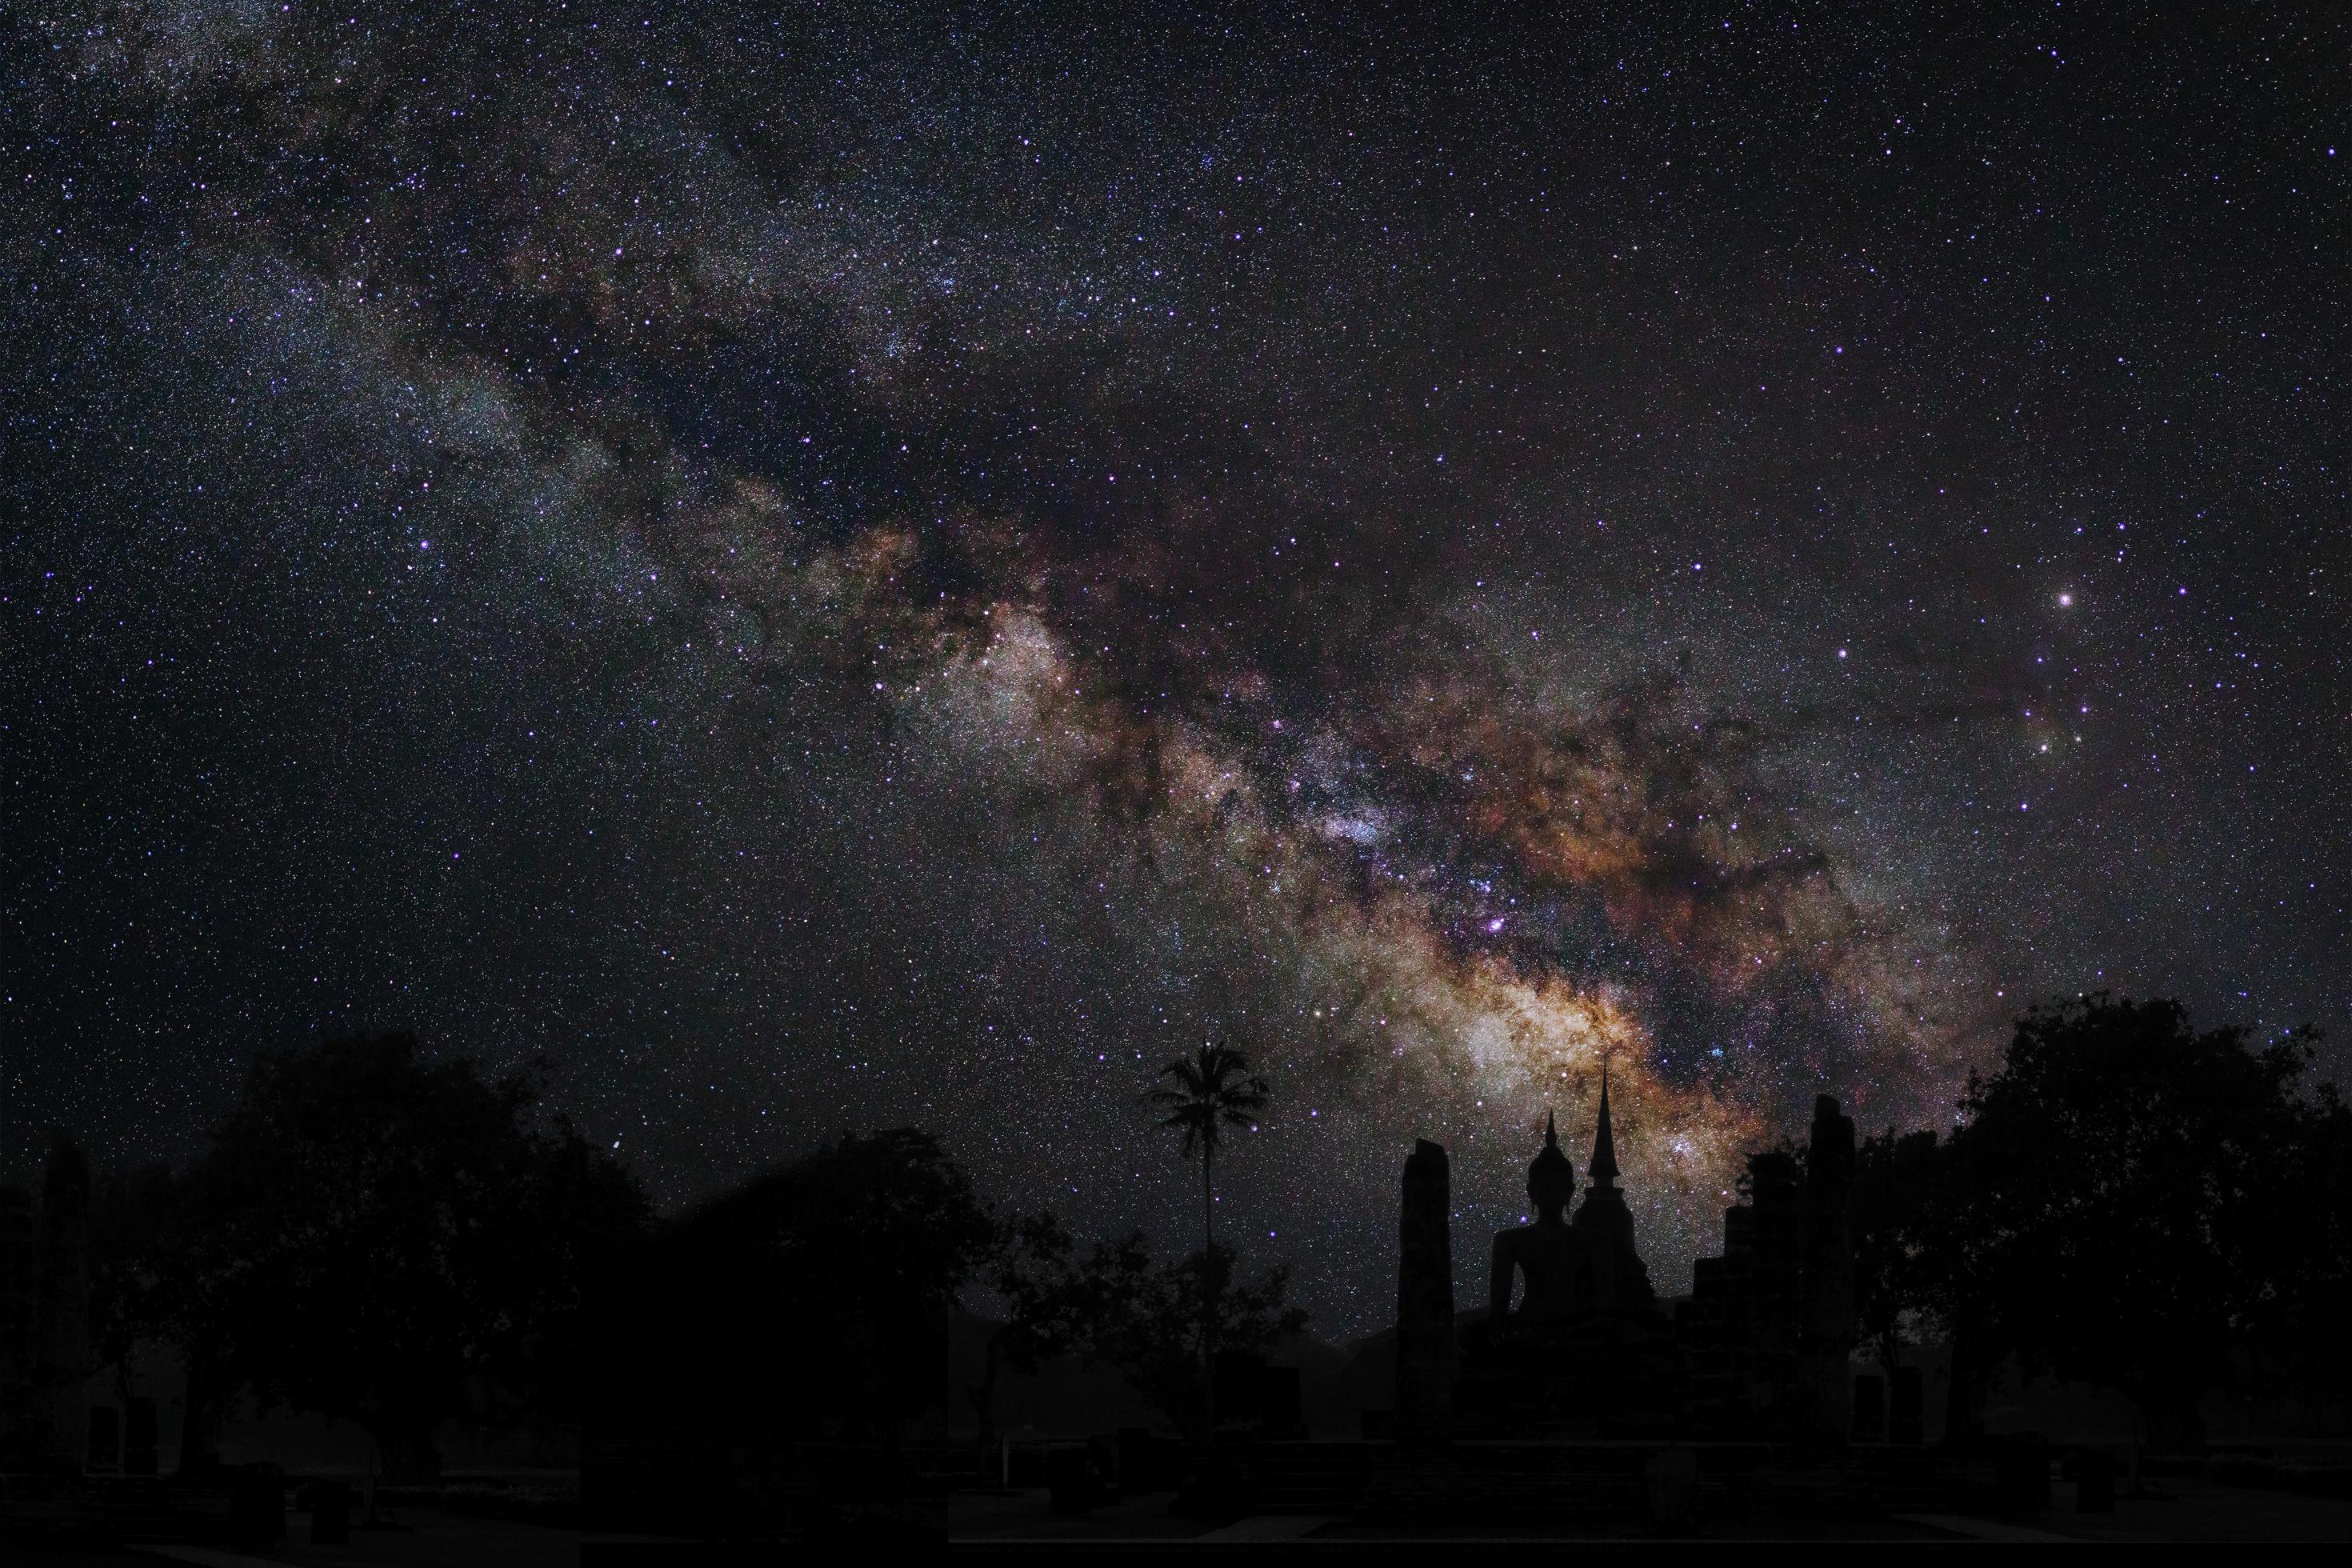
(1603, 1169)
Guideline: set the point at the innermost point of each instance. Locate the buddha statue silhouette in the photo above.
(1560, 1269)
(1585, 1339)
(1544, 1253)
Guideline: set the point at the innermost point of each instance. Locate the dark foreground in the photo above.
(2197, 1511)
(1024, 1522)
(1362, 1494)
(1349, 1496)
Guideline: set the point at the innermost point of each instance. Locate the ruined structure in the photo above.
(1769, 1327)
(1426, 1357)
(1576, 1341)
(17, 1288)
(1612, 1275)
(1826, 1343)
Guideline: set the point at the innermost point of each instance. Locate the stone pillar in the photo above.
(1826, 1342)
(17, 1275)
(1425, 1353)
(61, 1328)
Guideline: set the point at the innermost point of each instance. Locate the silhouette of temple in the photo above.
(1769, 1326)
(1575, 1339)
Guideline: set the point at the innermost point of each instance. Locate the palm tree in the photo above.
(1210, 1090)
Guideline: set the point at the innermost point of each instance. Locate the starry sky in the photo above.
(825, 566)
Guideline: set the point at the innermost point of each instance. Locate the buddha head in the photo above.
(1551, 1179)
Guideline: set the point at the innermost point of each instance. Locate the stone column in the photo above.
(1425, 1349)
(17, 1288)
(1826, 1342)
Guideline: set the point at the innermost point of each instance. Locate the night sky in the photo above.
(825, 567)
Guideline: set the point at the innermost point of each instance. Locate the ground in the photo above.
(2198, 1512)
(431, 1539)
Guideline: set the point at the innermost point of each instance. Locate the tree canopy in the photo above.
(1114, 1305)
(2124, 1200)
(814, 1297)
(382, 1237)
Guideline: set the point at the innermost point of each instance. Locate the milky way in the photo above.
(825, 567)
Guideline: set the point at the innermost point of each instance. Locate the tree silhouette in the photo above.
(159, 1271)
(779, 1352)
(1895, 1195)
(752, 1348)
(1139, 1316)
(1028, 1266)
(1209, 1091)
(385, 1240)
(1212, 1089)
(2305, 1338)
(821, 1287)
(1115, 1306)
(2123, 1200)
(129, 1216)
